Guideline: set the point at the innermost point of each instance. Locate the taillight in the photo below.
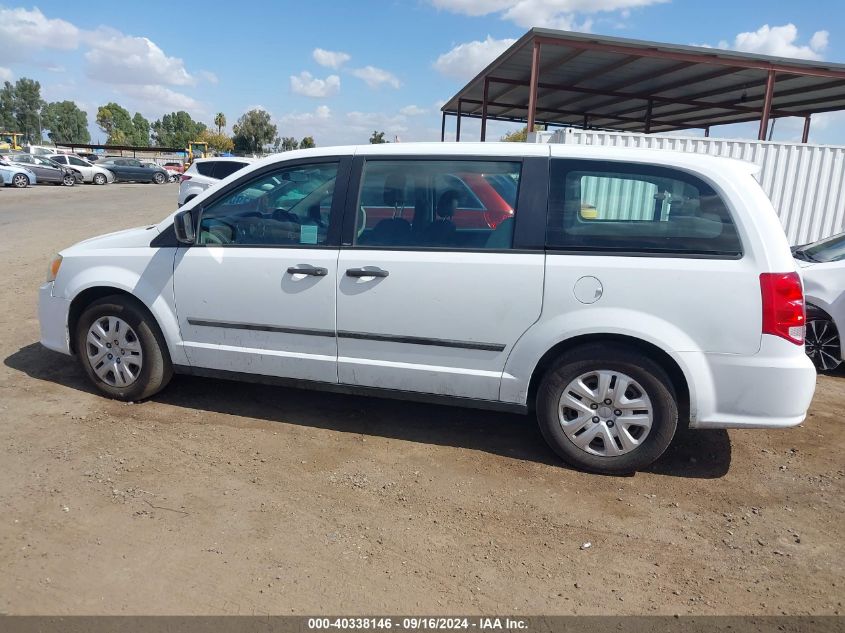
(183, 178)
(783, 306)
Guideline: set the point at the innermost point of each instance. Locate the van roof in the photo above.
(560, 150)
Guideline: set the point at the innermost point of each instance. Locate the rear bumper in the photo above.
(769, 390)
(52, 317)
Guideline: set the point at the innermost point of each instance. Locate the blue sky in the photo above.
(339, 70)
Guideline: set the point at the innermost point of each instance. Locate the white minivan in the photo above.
(616, 293)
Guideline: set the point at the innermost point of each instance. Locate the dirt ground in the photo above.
(226, 498)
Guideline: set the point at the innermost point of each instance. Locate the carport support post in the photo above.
(648, 116)
(707, 131)
(806, 135)
(767, 106)
(442, 127)
(458, 127)
(532, 90)
(484, 99)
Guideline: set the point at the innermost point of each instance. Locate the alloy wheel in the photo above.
(20, 181)
(823, 345)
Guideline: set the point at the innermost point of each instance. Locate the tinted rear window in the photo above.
(206, 169)
(225, 168)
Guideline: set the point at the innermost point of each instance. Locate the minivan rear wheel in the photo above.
(607, 409)
(121, 349)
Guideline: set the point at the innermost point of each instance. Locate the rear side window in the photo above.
(205, 169)
(607, 206)
(225, 168)
(461, 204)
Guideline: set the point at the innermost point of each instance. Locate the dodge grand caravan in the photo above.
(615, 293)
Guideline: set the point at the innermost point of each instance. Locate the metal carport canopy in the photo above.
(564, 78)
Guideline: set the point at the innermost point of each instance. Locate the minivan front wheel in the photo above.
(121, 349)
(607, 409)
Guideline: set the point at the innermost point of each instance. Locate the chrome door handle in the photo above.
(366, 272)
(314, 271)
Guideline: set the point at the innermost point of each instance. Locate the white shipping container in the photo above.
(806, 183)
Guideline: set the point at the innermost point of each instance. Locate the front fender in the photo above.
(149, 279)
(547, 333)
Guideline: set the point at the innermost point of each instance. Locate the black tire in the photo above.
(20, 181)
(822, 344)
(100, 179)
(159, 178)
(613, 358)
(156, 369)
(68, 180)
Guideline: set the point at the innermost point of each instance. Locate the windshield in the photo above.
(831, 249)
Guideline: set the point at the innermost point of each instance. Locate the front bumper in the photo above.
(53, 317)
(769, 390)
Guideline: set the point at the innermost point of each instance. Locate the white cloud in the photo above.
(306, 84)
(209, 76)
(468, 59)
(780, 41)
(412, 110)
(23, 32)
(154, 100)
(124, 59)
(375, 77)
(5, 74)
(330, 59)
(556, 14)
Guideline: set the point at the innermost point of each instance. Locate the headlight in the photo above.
(53, 269)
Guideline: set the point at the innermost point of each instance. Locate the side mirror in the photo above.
(183, 225)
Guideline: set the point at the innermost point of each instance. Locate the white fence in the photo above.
(806, 183)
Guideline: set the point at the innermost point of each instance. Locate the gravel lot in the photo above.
(218, 497)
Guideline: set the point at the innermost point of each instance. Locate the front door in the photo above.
(429, 298)
(256, 294)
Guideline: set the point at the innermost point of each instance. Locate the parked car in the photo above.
(45, 169)
(16, 175)
(132, 169)
(175, 166)
(172, 176)
(823, 269)
(674, 301)
(205, 172)
(90, 173)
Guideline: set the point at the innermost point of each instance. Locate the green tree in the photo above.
(520, 136)
(220, 122)
(289, 143)
(140, 131)
(253, 131)
(377, 138)
(8, 123)
(307, 143)
(27, 104)
(115, 121)
(176, 129)
(66, 121)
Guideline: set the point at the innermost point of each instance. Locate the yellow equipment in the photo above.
(197, 149)
(11, 141)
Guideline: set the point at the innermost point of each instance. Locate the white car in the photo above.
(90, 173)
(205, 172)
(615, 292)
(823, 269)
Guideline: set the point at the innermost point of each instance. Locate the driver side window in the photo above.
(289, 206)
